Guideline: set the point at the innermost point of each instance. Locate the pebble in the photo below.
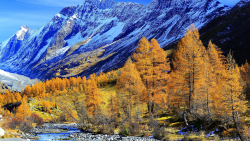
(100, 137)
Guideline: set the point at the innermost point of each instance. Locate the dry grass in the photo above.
(84, 62)
(169, 52)
(36, 104)
(163, 118)
(106, 93)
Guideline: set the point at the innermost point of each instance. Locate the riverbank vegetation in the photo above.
(198, 91)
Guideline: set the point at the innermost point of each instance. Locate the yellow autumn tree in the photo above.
(160, 75)
(23, 111)
(129, 88)
(27, 91)
(245, 72)
(153, 67)
(93, 99)
(233, 103)
(113, 110)
(207, 88)
(217, 68)
(188, 75)
(143, 64)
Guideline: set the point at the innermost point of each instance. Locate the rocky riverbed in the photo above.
(100, 137)
(71, 132)
(54, 128)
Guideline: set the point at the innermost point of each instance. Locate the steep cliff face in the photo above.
(100, 35)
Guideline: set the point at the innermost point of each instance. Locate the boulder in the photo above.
(1, 132)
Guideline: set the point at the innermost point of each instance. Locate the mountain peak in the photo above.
(103, 4)
(242, 3)
(245, 0)
(23, 30)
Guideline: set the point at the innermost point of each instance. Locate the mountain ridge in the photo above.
(103, 34)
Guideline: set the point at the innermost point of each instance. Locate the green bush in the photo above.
(124, 131)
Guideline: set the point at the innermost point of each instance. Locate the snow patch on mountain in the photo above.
(75, 39)
(75, 16)
(111, 33)
(7, 74)
(59, 52)
(20, 34)
(40, 53)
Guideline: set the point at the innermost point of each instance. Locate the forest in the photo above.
(196, 88)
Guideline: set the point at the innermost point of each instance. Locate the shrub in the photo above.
(62, 118)
(158, 132)
(133, 128)
(124, 131)
(109, 130)
(12, 123)
(25, 126)
(34, 118)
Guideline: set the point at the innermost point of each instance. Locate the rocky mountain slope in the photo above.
(100, 35)
(231, 31)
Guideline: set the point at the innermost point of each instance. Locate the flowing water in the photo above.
(58, 136)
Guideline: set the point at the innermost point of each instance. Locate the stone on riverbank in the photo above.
(101, 137)
(1, 132)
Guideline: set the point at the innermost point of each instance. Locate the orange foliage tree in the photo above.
(129, 88)
(153, 66)
(234, 103)
(93, 99)
(245, 72)
(215, 89)
(188, 75)
(23, 111)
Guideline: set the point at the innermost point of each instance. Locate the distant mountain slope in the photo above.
(14, 82)
(231, 31)
(100, 35)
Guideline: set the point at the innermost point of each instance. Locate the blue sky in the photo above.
(37, 13)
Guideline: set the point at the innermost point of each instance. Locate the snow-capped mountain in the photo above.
(100, 35)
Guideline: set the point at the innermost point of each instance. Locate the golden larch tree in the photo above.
(245, 74)
(129, 88)
(217, 69)
(160, 76)
(27, 91)
(23, 111)
(187, 75)
(153, 67)
(93, 99)
(234, 103)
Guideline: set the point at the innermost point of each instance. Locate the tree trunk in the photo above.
(237, 125)
(184, 116)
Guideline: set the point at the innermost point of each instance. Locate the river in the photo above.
(69, 132)
(64, 132)
(57, 136)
